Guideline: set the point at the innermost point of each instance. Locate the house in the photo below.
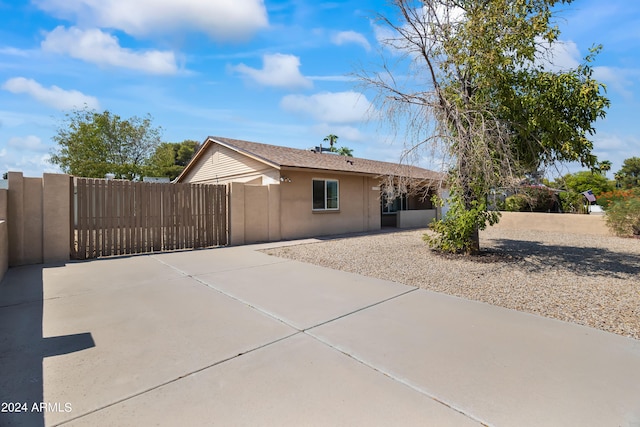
(286, 193)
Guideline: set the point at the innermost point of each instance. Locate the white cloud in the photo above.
(330, 107)
(342, 78)
(345, 133)
(28, 163)
(12, 51)
(277, 70)
(29, 142)
(221, 19)
(27, 155)
(101, 48)
(53, 96)
(560, 56)
(345, 37)
(620, 80)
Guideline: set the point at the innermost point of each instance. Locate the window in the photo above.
(325, 194)
(394, 202)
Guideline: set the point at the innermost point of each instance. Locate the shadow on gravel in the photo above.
(583, 261)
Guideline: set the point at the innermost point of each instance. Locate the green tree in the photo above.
(629, 174)
(586, 180)
(170, 158)
(331, 139)
(479, 91)
(604, 166)
(345, 151)
(92, 144)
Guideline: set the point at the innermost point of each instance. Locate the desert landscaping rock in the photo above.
(586, 279)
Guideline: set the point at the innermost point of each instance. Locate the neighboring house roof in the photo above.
(285, 157)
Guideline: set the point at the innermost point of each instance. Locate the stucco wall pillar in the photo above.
(274, 213)
(56, 211)
(236, 213)
(256, 213)
(32, 221)
(38, 218)
(15, 218)
(374, 210)
(4, 237)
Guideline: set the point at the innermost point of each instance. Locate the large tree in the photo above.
(170, 158)
(604, 166)
(629, 174)
(583, 181)
(474, 78)
(92, 144)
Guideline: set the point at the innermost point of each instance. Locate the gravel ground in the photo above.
(588, 280)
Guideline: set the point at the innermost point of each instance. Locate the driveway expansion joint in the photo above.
(400, 380)
(181, 377)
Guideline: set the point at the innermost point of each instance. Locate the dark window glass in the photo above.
(318, 194)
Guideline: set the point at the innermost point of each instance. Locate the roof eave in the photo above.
(212, 140)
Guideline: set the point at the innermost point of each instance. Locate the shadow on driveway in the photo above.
(23, 348)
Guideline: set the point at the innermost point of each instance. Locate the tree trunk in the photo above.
(474, 242)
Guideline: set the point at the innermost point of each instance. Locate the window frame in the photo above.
(399, 203)
(325, 195)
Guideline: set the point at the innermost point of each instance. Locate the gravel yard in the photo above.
(589, 280)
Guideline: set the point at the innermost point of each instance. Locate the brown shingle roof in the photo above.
(296, 158)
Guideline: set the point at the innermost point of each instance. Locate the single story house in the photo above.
(287, 193)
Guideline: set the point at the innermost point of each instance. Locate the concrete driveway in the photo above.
(232, 336)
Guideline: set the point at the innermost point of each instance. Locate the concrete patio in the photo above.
(233, 336)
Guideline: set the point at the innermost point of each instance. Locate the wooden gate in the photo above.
(113, 217)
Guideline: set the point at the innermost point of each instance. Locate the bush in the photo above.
(454, 233)
(540, 199)
(572, 202)
(623, 217)
(516, 203)
(610, 197)
(532, 199)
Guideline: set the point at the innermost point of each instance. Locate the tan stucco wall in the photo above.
(56, 210)
(32, 251)
(275, 231)
(561, 223)
(15, 218)
(38, 218)
(4, 248)
(359, 204)
(415, 218)
(3, 203)
(284, 211)
(4, 236)
(236, 213)
(254, 213)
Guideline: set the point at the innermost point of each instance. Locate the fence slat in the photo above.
(73, 252)
(111, 217)
(82, 214)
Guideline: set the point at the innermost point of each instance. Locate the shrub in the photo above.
(572, 202)
(531, 199)
(623, 217)
(540, 199)
(515, 203)
(610, 197)
(454, 233)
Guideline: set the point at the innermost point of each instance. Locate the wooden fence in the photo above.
(112, 217)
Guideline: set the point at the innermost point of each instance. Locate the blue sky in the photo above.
(277, 72)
